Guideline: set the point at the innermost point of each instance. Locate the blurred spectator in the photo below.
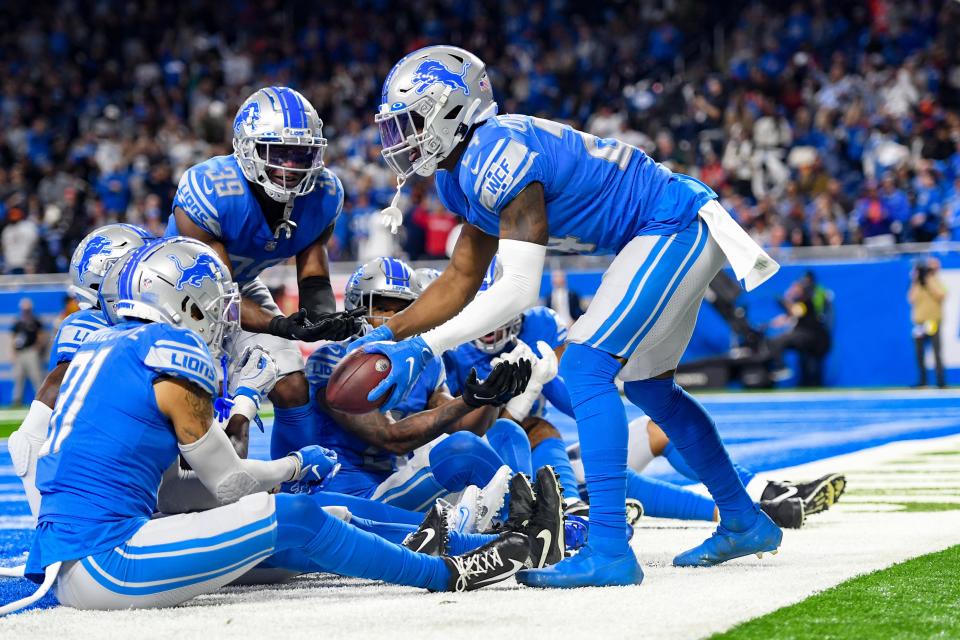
(436, 223)
(28, 343)
(561, 299)
(19, 240)
(807, 318)
(926, 297)
(104, 103)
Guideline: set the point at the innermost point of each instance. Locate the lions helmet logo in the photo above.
(431, 72)
(96, 246)
(194, 275)
(248, 117)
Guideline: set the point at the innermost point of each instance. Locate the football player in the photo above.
(94, 256)
(100, 467)
(523, 184)
(271, 200)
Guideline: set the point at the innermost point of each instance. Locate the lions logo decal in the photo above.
(430, 72)
(194, 275)
(98, 245)
(248, 116)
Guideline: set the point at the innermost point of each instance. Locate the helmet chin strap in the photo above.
(287, 226)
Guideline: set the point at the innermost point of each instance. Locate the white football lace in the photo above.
(475, 564)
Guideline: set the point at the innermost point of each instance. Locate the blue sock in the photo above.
(370, 509)
(332, 545)
(391, 531)
(293, 428)
(665, 500)
(692, 431)
(680, 466)
(602, 426)
(460, 543)
(510, 441)
(462, 459)
(552, 451)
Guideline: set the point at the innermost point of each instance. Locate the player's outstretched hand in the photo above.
(328, 326)
(380, 334)
(253, 374)
(544, 370)
(407, 361)
(316, 466)
(506, 381)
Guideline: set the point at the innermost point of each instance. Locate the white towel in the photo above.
(750, 263)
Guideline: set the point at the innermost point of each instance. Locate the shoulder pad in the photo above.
(180, 353)
(498, 166)
(321, 363)
(73, 332)
(197, 198)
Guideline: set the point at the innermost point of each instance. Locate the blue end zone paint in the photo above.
(762, 432)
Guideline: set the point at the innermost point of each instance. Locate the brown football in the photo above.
(354, 378)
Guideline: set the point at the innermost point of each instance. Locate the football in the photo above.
(354, 378)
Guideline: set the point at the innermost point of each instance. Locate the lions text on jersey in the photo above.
(218, 199)
(73, 332)
(100, 468)
(600, 193)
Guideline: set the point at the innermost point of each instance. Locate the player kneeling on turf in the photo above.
(99, 469)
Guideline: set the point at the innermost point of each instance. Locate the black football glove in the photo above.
(328, 326)
(507, 380)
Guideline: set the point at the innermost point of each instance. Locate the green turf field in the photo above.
(919, 598)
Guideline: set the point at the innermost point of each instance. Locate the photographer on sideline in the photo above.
(926, 297)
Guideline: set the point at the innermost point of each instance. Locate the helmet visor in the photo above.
(403, 135)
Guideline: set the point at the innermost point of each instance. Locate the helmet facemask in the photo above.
(283, 168)
(412, 142)
(499, 339)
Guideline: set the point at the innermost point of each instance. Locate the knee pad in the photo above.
(299, 517)
(463, 459)
(504, 429)
(587, 372)
(659, 398)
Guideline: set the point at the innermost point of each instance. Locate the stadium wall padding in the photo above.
(872, 343)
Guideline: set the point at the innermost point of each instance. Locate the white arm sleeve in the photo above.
(514, 293)
(226, 475)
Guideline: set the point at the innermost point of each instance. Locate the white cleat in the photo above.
(492, 498)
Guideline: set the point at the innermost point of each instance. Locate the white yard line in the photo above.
(672, 603)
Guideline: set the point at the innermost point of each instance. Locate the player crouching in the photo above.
(99, 469)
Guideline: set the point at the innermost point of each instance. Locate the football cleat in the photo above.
(725, 544)
(431, 536)
(788, 513)
(522, 503)
(492, 563)
(545, 528)
(817, 495)
(492, 497)
(581, 509)
(589, 568)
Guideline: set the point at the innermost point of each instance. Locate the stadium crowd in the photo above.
(818, 123)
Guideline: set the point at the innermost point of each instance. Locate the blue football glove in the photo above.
(407, 361)
(380, 334)
(316, 466)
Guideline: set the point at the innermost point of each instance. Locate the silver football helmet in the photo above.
(430, 100)
(424, 277)
(178, 281)
(500, 338)
(96, 253)
(278, 141)
(386, 277)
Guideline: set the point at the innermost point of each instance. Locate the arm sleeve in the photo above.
(316, 296)
(226, 475)
(516, 291)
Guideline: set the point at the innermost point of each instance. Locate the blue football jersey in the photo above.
(73, 332)
(600, 193)
(100, 467)
(352, 450)
(217, 198)
(539, 323)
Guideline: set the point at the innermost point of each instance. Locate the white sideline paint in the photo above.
(672, 603)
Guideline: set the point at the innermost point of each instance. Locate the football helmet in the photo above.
(386, 277)
(500, 338)
(96, 253)
(430, 100)
(278, 142)
(178, 281)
